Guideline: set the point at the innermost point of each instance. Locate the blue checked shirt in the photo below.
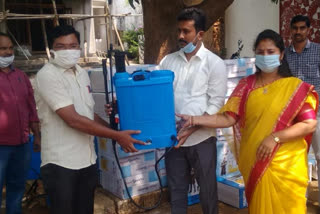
(305, 65)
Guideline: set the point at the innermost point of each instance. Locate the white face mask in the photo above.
(6, 61)
(65, 58)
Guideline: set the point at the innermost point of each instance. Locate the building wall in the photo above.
(290, 8)
(126, 22)
(245, 19)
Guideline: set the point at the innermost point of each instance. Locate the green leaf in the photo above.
(131, 38)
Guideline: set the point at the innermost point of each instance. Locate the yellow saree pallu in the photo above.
(277, 185)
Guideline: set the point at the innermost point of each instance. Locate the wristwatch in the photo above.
(275, 138)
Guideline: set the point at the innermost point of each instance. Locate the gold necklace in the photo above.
(265, 90)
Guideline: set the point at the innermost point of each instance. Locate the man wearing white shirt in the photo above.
(65, 108)
(200, 86)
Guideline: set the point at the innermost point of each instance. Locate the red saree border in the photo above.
(286, 117)
(246, 86)
(308, 138)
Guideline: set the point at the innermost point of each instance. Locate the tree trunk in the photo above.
(160, 24)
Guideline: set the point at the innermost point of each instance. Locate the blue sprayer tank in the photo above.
(145, 102)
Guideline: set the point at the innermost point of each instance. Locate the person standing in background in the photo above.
(303, 57)
(18, 115)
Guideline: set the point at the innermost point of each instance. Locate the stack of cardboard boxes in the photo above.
(138, 170)
(230, 182)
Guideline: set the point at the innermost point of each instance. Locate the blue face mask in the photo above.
(268, 63)
(190, 47)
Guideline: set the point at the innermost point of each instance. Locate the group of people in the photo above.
(273, 113)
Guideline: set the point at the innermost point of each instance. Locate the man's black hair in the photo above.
(62, 30)
(195, 14)
(300, 18)
(6, 35)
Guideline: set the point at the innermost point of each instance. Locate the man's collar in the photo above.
(61, 69)
(307, 46)
(12, 68)
(200, 53)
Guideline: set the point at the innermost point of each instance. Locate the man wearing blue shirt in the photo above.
(303, 57)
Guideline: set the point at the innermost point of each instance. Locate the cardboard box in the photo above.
(133, 165)
(159, 153)
(312, 165)
(193, 195)
(231, 191)
(226, 134)
(226, 163)
(137, 185)
(232, 84)
(240, 67)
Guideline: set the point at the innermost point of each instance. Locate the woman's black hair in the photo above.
(284, 69)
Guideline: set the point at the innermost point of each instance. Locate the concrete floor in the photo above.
(39, 206)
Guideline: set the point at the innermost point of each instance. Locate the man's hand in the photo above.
(36, 143)
(184, 134)
(126, 141)
(108, 108)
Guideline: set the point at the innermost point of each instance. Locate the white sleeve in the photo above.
(217, 87)
(163, 63)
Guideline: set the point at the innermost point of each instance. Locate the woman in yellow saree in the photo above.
(273, 116)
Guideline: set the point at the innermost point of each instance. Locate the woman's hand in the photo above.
(265, 149)
(185, 122)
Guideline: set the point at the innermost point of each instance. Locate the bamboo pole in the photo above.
(14, 38)
(3, 25)
(120, 41)
(56, 18)
(117, 33)
(14, 16)
(45, 38)
(85, 43)
(106, 11)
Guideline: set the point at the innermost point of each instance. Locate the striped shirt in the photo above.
(305, 65)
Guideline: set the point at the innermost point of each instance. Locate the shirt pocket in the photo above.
(87, 95)
(197, 83)
(311, 71)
